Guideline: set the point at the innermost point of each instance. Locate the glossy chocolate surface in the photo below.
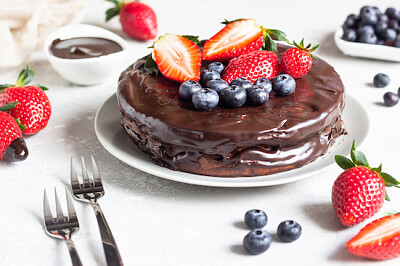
(83, 47)
(285, 133)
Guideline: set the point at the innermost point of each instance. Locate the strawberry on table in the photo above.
(239, 37)
(359, 192)
(378, 240)
(34, 107)
(11, 140)
(297, 61)
(177, 57)
(252, 66)
(138, 20)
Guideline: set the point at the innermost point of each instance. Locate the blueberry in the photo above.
(383, 18)
(381, 80)
(232, 97)
(217, 67)
(368, 16)
(393, 24)
(368, 38)
(389, 35)
(397, 41)
(255, 219)
(257, 241)
(257, 95)
(366, 29)
(265, 83)
(351, 21)
(390, 98)
(205, 99)
(187, 89)
(349, 35)
(380, 27)
(392, 13)
(398, 91)
(289, 231)
(283, 85)
(242, 82)
(217, 84)
(207, 75)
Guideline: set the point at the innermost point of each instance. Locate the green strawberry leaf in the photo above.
(377, 169)
(4, 86)
(344, 162)
(192, 38)
(276, 35)
(226, 22)
(353, 148)
(41, 87)
(8, 106)
(360, 158)
(151, 66)
(389, 180)
(387, 197)
(390, 213)
(25, 76)
(21, 126)
(112, 12)
(269, 44)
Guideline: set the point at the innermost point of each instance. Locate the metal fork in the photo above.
(62, 227)
(90, 191)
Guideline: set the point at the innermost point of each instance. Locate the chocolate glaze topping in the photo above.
(83, 47)
(285, 133)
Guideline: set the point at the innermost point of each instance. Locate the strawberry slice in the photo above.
(234, 39)
(177, 58)
(378, 240)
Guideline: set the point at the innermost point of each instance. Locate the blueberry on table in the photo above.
(255, 219)
(257, 241)
(207, 75)
(217, 84)
(390, 98)
(265, 83)
(257, 95)
(216, 66)
(241, 82)
(233, 97)
(283, 85)
(205, 99)
(289, 231)
(381, 80)
(349, 35)
(187, 88)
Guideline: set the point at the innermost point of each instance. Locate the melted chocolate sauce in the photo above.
(83, 47)
(17, 150)
(285, 133)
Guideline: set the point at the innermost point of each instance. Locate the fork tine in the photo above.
(74, 174)
(96, 174)
(46, 207)
(58, 206)
(85, 177)
(70, 205)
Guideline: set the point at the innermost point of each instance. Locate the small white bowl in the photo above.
(85, 71)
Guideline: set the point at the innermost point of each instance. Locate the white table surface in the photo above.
(161, 222)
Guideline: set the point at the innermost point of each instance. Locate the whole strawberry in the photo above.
(378, 240)
(138, 20)
(252, 66)
(11, 141)
(359, 192)
(34, 107)
(297, 61)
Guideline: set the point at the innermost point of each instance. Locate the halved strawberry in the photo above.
(379, 240)
(177, 57)
(239, 37)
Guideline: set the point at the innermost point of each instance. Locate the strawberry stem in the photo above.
(25, 76)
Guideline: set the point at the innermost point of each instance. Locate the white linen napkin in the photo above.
(24, 25)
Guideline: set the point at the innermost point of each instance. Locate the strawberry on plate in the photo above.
(138, 20)
(359, 192)
(378, 240)
(252, 66)
(297, 61)
(177, 57)
(11, 140)
(34, 107)
(239, 37)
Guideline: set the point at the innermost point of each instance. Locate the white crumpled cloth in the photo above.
(24, 25)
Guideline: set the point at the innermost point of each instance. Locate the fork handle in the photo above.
(109, 245)
(76, 261)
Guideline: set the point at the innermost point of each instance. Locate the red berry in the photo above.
(9, 131)
(252, 66)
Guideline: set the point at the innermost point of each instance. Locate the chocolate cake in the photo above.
(283, 134)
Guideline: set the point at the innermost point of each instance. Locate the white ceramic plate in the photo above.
(380, 52)
(114, 139)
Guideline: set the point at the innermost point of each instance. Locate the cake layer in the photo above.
(285, 133)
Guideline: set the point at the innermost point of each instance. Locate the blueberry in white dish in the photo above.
(233, 97)
(187, 88)
(289, 231)
(257, 95)
(265, 83)
(257, 241)
(381, 80)
(216, 66)
(241, 82)
(205, 99)
(255, 219)
(217, 84)
(283, 85)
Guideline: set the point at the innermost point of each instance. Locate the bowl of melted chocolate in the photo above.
(85, 54)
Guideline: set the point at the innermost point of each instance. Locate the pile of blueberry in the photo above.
(373, 27)
(390, 98)
(212, 90)
(258, 240)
